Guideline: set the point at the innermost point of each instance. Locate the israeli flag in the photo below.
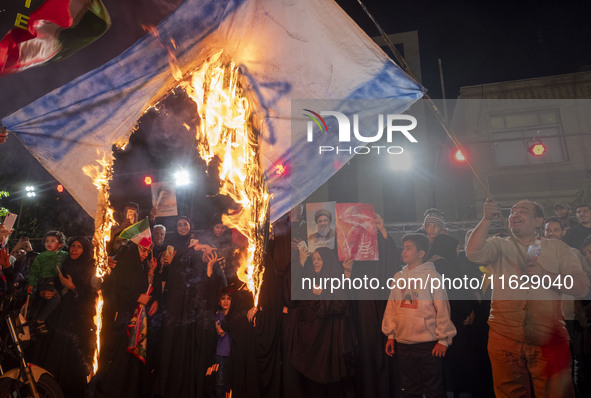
(286, 49)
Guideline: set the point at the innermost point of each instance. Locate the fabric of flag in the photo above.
(51, 30)
(286, 49)
(139, 233)
(137, 331)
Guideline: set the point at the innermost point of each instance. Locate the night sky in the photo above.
(484, 41)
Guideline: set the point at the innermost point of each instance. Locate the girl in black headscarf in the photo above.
(68, 349)
(182, 239)
(181, 244)
(321, 348)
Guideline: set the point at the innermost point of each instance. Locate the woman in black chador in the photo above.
(322, 349)
(189, 337)
(68, 349)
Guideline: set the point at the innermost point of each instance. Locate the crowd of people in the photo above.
(177, 321)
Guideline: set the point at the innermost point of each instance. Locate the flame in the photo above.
(98, 321)
(226, 131)
(172, 60)
(103, 222)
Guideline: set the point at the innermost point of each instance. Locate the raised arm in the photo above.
(480, 234)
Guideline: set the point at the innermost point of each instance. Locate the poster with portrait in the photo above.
(321, 225)
(164, 199)
(357, 236)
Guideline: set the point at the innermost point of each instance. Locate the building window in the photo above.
(512, 134)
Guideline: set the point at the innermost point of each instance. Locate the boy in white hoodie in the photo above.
(418, 321)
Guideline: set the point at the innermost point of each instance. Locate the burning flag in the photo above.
(52, 30)
(306, 49)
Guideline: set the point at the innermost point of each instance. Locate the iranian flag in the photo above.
(139, 233)
(43, 30)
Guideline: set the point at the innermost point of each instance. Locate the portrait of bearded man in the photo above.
(325, 235)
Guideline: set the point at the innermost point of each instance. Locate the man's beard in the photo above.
(324, 231)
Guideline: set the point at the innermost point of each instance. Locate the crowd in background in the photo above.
(178, 322)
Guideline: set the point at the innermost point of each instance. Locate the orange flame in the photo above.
(98, 321)
(226, 131)
(172, 60)
(103, 222)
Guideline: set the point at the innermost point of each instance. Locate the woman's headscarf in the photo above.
(331, 268)
(82, 268)
(180, 243)
(330, 264)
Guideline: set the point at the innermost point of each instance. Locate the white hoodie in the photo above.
(414, 315)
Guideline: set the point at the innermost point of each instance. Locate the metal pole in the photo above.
(20, 215)
(442, 89)
(443, 122)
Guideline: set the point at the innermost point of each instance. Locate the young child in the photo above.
(222, 352)
(43, 275)
(419, 322)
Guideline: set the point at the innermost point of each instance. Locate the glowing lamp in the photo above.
(182, 177)
(30, 191)
(537, 149)
(60, 188)
(148, 180)
(280, 169)
(459, 156)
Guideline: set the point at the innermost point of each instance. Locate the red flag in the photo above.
(38, 37)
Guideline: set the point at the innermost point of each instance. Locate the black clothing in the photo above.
(189, 337)
(575, 236)
(67, 350)
(21, 266)
(374, 367)
(422, 371)
(322, 343)
(459, 360)
(224, 247)
(121, 374)
(255, 349)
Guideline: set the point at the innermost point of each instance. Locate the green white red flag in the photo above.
(139, 233)
(44, 30)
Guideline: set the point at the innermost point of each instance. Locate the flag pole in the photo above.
(402, 62)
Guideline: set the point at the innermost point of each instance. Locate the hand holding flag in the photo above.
(137, 330)
(139, 233)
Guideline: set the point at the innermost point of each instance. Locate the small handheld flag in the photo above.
(139, 233)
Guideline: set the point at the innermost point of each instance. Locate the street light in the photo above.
(401, 161)
(182, 177)
(30, 190)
